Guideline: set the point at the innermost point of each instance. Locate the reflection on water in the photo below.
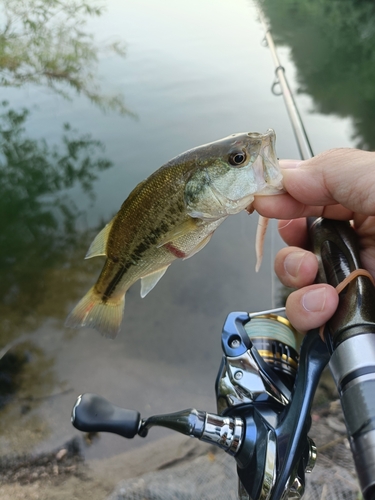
(44, 43)
(38, 249)
(37, 215)
(332, 44)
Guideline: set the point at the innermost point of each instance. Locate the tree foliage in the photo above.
(333, 46)
(37, 214)
(45, 42)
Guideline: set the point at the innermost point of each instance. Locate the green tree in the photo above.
(332, 44)
(44, 42)
(36, 212)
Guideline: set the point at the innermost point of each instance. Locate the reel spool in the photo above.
(276, 341)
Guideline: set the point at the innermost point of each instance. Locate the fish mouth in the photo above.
(269, 135)
(267, 169)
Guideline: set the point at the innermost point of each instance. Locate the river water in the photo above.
(193, 72)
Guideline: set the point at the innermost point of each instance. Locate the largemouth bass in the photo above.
(173, 215)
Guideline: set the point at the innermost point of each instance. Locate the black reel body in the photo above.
(259, 382)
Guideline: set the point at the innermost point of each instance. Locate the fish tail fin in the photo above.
(91, 311)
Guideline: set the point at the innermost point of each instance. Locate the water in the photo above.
(194, 72)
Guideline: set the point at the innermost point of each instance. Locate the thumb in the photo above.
(312, 306)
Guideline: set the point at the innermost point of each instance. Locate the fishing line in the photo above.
(286, 225)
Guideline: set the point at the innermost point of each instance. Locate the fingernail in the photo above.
(290, 163)
(314, 300)
(293, 262)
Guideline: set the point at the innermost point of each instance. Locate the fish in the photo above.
(172, 215)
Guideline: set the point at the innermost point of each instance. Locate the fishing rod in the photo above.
(350, 333)
(299, 130)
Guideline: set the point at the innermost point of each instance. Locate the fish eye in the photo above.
(237, 158)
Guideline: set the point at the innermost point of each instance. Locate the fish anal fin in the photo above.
(148, 282)
(177, 232)
(98, 246)
(91, 311)
(200, 246)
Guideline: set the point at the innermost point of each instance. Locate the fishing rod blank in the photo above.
(303, 142)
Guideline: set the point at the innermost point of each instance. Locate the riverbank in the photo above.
(64, 474)
(175, 464)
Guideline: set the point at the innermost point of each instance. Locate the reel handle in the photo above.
(92, 413)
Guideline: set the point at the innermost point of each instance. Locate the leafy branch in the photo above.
(38, 216)
(44, 42)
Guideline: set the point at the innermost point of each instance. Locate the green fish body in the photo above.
(173, 215)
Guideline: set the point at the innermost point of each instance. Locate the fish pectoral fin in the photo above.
(98, 246)
(148, 282)
(200, 246)
(179, 231)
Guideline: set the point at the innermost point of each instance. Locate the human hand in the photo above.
(337, 184)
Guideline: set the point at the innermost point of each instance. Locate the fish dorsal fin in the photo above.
(179, 231)
(148, 282)
(98, 246)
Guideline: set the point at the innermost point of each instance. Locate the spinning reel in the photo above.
(258, 422)
(265, 387)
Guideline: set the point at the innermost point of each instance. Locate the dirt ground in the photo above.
(64, 474)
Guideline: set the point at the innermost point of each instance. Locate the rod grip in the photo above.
(350, 336)
(336, 247)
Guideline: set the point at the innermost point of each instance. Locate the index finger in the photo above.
(339, 176)
(285, 206)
